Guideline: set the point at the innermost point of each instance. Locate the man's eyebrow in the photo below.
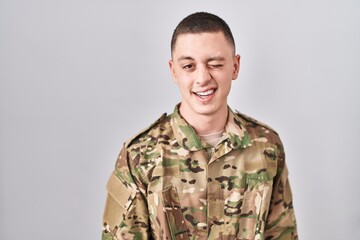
(216, 59)
(219, 58)
(185, 58)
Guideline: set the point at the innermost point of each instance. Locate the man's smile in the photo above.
(206, 93)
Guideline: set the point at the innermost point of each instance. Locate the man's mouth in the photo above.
(205, 93)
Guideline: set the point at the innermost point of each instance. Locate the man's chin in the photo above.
(206, 110)
(199, 109)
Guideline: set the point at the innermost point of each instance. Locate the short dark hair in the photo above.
(201, 22)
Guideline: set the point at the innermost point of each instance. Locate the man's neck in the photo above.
(207, 124)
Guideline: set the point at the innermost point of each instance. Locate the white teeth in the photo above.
(206, 93)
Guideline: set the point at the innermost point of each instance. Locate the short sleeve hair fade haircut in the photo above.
(202, 22)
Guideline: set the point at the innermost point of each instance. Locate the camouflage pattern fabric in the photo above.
(169, 184)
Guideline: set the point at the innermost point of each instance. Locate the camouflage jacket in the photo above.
(169, 184)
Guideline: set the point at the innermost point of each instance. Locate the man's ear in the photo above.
(236, 67)
(172, 70)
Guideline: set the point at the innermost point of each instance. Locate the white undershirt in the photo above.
(211, 138)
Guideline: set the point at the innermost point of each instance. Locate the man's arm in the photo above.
(281, 223)
(126, 213)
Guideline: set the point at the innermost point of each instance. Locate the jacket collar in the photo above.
(235, 135)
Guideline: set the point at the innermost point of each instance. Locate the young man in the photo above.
(203, 172)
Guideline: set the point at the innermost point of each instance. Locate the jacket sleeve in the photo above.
(281, 223)
(126, 214)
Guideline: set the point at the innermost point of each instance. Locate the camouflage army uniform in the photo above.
(170, 184)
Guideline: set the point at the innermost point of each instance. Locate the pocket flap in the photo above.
(254, 179)
(161, 171)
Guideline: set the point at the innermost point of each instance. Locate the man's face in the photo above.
(203, 65)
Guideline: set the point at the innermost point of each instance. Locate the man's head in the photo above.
(202, 22)
(203, 65)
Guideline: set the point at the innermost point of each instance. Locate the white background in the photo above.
(78, 78)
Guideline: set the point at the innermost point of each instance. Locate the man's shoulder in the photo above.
(252, 123)
(149, 134)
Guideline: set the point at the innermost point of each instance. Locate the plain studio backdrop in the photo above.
(78, 78)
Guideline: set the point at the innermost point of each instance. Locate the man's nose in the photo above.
(203, 75)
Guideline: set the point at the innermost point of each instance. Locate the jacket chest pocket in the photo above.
(255, 206)
(166, 205)
(174, 215)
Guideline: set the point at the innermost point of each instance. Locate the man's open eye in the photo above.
(188, 66)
